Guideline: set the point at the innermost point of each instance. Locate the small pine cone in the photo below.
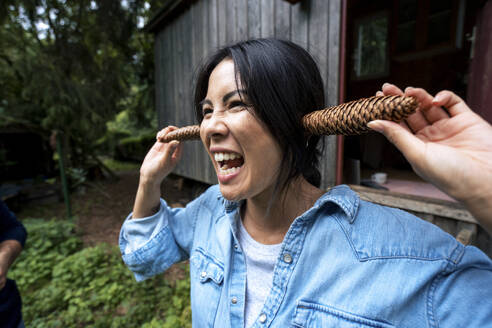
(191, 132)
(351, 118)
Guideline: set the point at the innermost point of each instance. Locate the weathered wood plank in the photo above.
(196, 23)
(415, 203)
(300, 21)
(231, 19)
(165, 90)
(282, 19)
(267, 21)
(318, 47)
(212, 6)
(466, 233)
(446, 224)
(254, 19)
(159, 78)
(241, 20)
(333, 53)
(222, 21)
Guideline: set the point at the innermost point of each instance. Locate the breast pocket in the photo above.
(313, 315)
(207, 274)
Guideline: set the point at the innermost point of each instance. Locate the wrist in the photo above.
(148, 183)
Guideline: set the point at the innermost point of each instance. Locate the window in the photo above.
(370, 58)
(426, 28)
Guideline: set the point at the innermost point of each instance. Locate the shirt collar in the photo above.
(342, 196)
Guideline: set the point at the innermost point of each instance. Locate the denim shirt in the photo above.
(343, 263)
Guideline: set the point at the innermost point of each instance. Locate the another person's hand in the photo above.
(3, 271)
(9, 250)
(447, 144)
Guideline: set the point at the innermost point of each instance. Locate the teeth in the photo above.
(225, 156)
(228, 171)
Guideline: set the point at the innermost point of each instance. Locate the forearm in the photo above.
(147, 200)
(9, 250)
(481, 209)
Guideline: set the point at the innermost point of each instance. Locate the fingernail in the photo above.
(385, 84)
(374, 125)
(437, 98)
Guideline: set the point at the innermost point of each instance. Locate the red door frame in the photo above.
(341, 89)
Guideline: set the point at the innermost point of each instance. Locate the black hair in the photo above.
(282, 83)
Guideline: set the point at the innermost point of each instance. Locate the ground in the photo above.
(100, 207)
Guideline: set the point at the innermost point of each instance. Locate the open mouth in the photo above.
(229, 163)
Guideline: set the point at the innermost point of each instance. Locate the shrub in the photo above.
(91, 286)
(134, 148)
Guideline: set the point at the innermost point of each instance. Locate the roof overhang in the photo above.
(169, 10)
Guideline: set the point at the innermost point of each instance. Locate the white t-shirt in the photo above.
(260, 262)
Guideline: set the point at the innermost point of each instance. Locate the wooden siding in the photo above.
(186, 39)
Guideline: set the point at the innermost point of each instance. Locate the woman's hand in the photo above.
(161, 159)
(447, 144)
(158, 163)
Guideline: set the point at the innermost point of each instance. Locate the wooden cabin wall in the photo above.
(185, 40)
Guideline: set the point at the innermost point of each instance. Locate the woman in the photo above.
(267, 247)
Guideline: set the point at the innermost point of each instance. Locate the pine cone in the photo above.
(351, 118)
(186, 133)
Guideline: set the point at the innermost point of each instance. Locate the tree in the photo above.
(72, 66)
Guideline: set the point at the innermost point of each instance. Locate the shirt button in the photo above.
(234, 300)
(236, 246)
(287, 258)
(262, 317)
(203, 274)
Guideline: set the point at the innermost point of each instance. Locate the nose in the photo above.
(214, 127)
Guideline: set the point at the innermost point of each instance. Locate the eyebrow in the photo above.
(226, 97)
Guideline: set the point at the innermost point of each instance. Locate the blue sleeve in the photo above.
(10, 227)
(462, 295)
(151, 245)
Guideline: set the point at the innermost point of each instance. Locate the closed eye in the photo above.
(237, 104)
(207, 111)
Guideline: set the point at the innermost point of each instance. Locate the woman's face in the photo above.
(245, 155)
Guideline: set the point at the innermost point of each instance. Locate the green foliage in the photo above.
(48, 243)
(91, 287)
(115, 165)
(73, 66)
(135, 147)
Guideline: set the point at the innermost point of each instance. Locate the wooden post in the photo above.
(63, 176)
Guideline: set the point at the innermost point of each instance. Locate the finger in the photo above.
(379, 93)
(411, 146)
(416, 121)
(170, 148)
(452, 102)
(391, 89)
(177, 152)
(404, 125)
(431, 112)
(162, 133)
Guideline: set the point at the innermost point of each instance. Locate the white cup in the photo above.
(379, 177)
